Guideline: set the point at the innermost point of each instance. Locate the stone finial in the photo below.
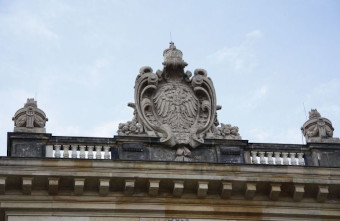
(30, 118)
(318, 129)
(173, 56)
(314, 113)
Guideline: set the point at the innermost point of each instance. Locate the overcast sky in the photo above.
(79, 59)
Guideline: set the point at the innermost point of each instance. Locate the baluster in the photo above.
(300, 159)
(292, 158)
(106, 152)
(253, 157)
(66, 148)
(262, 159)
(74, 151)
(285, 159)
(57, 151)
(82, 152)
(277, 158)
(98, 152)
(90, 152)
(270, 157)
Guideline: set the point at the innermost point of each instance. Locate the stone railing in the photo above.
(277, 158)
(78, 151)
(278, 154)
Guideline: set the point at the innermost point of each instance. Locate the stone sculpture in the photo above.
(318, 129)
(30, 118)
(176, 106)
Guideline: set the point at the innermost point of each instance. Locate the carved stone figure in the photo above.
(176, 106)
(318, 129)
(30, 118)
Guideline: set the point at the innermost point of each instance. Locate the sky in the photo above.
(269, 61)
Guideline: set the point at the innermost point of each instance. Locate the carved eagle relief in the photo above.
(176, 106)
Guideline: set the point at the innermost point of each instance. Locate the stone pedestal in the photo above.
(27, 144)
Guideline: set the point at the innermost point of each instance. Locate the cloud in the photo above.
(106, 129)
(254, 34)
(255, 97)
(291, 135)
(241, 57)
(259, 135)
(260, 93)
(24, 23)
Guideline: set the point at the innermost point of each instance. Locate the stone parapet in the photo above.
(138, 148)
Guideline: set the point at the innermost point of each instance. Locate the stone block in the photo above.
(299, 190)
(129, 187)
(250, 191)
(231, 154)
(53, 185)
(275, 190)
(226, 189)
(3, 185)
(27, 183)
(79, 184)
(153, 187)
(202, 188)
(133, 151)
(178, 188)
(104, 185)
(322, 193)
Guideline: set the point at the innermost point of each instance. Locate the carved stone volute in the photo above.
(30, 118)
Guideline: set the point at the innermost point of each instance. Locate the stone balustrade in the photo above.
(277, 158)
(78, 151)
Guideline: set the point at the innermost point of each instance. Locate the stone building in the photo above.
(172, 161)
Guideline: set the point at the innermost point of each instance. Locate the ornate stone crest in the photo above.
(174, 105)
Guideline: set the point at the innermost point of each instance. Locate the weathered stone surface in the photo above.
(178, 188)
(27, 144)
(318, 129)
(275, 190)
(30, 119)
(140, 149)
(129, 186)
(53, 185)
(153, 187)
(299, 191)
(182, 200)
(250, 190)
(104, 185)
(3, 185)
(202, 189)
(226, 189)
(322, 193)
(231, 154)
(133, 151)
(27, 183)
(79, 184)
